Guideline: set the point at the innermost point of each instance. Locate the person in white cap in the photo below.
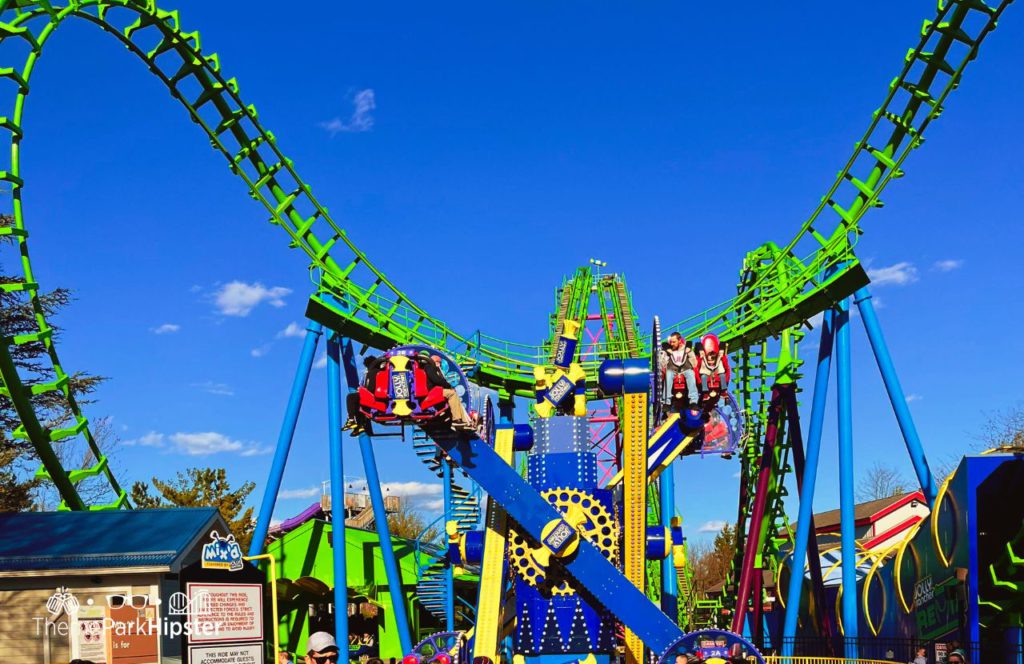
(321, 648)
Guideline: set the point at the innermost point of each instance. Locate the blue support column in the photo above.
(387, 550)
(896, 397)
(847, 533)
(669, 599)
(284, 438)
(803, 524)
(449, 574)
(334, 406)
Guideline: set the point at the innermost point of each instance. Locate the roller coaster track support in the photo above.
(285, 437)
(823, 617)
(847, 532)
(387, 551)
(337, 459)
(862, 298)
(751, 551)
(810, 475)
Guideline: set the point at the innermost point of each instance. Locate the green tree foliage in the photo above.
(18, 489)
(202, 487)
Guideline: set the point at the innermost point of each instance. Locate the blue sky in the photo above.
(520, 140)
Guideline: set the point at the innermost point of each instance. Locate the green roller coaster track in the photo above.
(354, 296)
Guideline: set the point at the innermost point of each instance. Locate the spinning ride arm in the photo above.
(535, 516)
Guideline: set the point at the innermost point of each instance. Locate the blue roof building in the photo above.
(63, 573)
(101, 541)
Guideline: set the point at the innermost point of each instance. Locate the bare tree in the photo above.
(1002, 429)
(710, 561)
(76, 454)
(881, 481)
(409, 523)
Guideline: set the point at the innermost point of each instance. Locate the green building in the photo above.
(305, 572)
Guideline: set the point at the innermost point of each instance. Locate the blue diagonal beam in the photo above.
(532, 513)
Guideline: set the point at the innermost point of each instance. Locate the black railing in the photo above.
(904, 650)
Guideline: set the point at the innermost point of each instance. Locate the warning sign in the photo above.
(235, 654)
(235, 610)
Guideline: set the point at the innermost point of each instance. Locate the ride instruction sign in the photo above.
(251, 653)
(236, 609)
(232, 601)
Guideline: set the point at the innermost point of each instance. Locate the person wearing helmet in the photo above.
(677, 359)
(357, 422)
(431, 365)
(713, 365)
(958, 656)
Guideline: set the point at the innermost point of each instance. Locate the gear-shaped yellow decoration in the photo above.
(532, 562)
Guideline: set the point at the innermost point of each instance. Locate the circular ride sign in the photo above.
(711, 646)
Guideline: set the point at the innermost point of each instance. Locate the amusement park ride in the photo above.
(580, 534)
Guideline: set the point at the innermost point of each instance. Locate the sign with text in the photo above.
(251, 653)
(134, 646)
(236, 609)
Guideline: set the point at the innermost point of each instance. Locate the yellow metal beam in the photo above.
(671, 421)
(492, 572)
(634, 472)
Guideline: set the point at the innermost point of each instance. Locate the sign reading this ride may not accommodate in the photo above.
(251, 653)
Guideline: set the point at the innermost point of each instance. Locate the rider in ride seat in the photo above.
(713, 367)
(679, 362)
(357, 420)
(431, 365)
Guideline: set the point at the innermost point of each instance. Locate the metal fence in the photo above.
(825, 651)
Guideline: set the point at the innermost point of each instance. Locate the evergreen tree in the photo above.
(202, 487)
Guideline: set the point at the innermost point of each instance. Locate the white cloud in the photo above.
(166, 328)
(815, 320)
(321, 362)
(293, 330)
(899, 274)
(405, 489)
(948, 265)
(221, 389)
(433, 505)
(363, 104)
(239, 298)
(260, 351)
(151, 439)
(309, 492)
(712, 527)
(412, 489)
(203, 443)
(200, 443)
(737, 475)
(914, 397)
